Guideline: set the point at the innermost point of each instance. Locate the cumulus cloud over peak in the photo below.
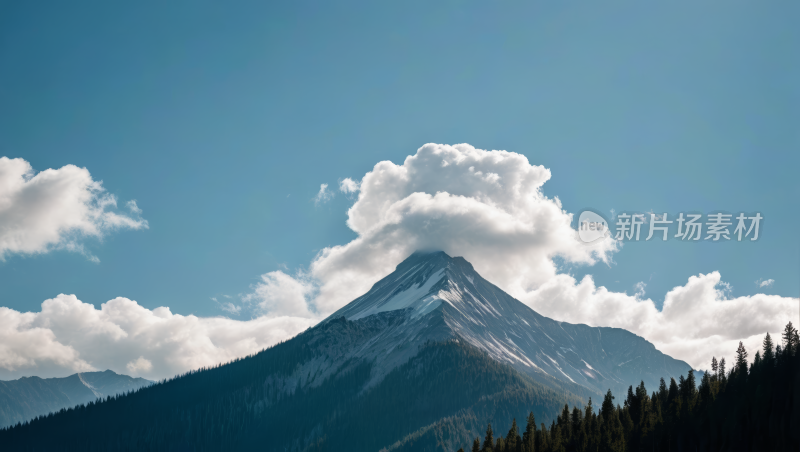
(488, 207)
(55, 209)
(484, 205)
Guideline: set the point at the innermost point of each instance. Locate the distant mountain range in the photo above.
(423, 361)
(28, 397)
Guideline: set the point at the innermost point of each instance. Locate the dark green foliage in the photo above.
(741, 360)
(513, 441)
(790, 339)
(528, 438)
(488, 440)
(439, 400)
(769, 352)
(433, 402)
(755, 410)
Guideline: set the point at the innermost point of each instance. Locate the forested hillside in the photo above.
(755, 408)
(238, 406)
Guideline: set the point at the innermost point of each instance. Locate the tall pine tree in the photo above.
(529, 437)
(769, 352)
(513, 441)
(741, 360)
(790, 341)
(488, 441)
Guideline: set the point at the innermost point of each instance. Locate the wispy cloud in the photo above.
(324, 195)
(231, 308)
(639, 287)
(349, 186)
(765, 282)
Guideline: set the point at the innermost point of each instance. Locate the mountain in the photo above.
(420, 362)
(28, 397)
(443, 297)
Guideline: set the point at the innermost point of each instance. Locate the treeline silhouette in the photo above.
(746, 408)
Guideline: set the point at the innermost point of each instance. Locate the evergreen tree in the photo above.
(769, 353)
(663, 393)
(790, 341)
(578, 440)
(714, 365)
(529, 437)
(476, 445)
(488, 441)
(705, 394)
(673, 404)
(500, 444)
(688, 390)
(627, 424)
(564, 422)
(513, 441)
(741, 361)
(543, 440)
(590, 425)
(607, 408)
(556, 439)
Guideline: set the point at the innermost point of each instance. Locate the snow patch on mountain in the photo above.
(415, 297)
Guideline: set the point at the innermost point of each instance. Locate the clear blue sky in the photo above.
(223, 118)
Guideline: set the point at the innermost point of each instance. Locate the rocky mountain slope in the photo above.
(432, 296)
(423, 361)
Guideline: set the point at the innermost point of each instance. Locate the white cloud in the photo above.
(278, 294)
(487, 206)
(348, 185)
(133, 207)
(69, 336)
(55, 209)
(230, 307)
(324, 195)
(639, 289)
(697, 321)
(765, 283)
(484, 205)
(139, 365)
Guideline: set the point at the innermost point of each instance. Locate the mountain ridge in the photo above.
(432, 289)
(27, 397)
(422, 361)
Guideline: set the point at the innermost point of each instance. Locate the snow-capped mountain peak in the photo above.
(419, 284)
(432, 296)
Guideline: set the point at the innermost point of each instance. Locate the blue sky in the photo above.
(222, 121)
